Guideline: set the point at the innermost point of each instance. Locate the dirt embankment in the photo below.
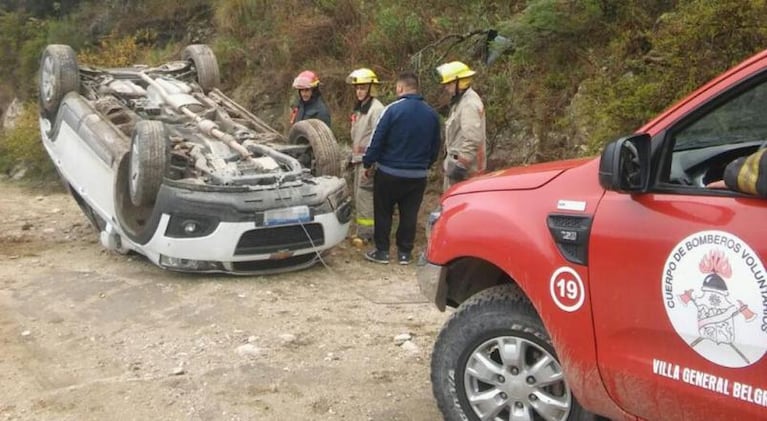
(90, 335)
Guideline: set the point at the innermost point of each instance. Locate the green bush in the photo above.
(112, 51)
(580, 72)
(22, 145)
(645, 72)
(396, 33)
(24, 36)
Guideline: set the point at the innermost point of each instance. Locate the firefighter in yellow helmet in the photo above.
(363, 119)
(465, 136)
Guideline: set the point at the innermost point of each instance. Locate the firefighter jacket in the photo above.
(748, 174)
(465, 137)
(364, 120)
(313, 108)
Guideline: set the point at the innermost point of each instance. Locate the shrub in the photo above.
(112, 51)
(22, 145)
(24, 36)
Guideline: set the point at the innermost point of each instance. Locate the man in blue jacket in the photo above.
(405, 143)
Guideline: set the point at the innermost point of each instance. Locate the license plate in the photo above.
(293, 215)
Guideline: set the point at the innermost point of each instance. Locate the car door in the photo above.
(677, 274)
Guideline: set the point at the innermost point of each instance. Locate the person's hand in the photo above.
(368, 173)
(717, 185)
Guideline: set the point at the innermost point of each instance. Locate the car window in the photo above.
(703, 146)
(741, 119)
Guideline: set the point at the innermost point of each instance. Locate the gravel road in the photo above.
(87, 334)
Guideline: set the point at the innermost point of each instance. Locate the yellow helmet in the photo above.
(455, 70)
(363, 76)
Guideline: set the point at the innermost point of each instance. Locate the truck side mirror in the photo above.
(625, 164)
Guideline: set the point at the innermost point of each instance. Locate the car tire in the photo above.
(59, 75)
(205, 64)
(324, 156)
(147, 161)
(471, 339)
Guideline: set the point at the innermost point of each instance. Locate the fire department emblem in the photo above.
(713, 286)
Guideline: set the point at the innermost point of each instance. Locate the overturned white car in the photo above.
(164, 164)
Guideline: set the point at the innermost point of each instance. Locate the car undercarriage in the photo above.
(173, 153)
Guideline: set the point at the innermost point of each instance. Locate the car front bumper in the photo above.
(240, 231)
(225, 249)
(432, 280)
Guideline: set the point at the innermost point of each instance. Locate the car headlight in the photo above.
(339, 197)
(190, 226)
(338, 202)
(344, 211)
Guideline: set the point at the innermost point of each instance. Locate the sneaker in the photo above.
(403, 258)
(377, 256)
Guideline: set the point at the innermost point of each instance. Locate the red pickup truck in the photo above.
(621, 286)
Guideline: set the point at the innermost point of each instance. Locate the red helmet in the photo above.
(306, 80)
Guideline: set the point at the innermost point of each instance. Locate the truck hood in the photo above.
(517, 178)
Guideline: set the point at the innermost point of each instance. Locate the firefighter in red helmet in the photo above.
(310, 103)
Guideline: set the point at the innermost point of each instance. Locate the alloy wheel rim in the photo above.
(48, 79)
(134, 167)
(509, 377)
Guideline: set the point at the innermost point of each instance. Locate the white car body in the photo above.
(244, 208)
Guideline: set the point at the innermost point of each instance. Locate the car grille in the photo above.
(270, 265)
(283, 238)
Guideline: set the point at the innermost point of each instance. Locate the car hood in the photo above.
(517, 178)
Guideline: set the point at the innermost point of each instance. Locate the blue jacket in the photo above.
(406, 137)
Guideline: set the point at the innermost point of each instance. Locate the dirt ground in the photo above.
(86, 334)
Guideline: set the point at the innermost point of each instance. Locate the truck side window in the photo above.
(703, 146)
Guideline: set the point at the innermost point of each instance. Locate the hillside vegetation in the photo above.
(578, 73)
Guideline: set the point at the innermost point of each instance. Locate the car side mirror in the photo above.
(625, 164)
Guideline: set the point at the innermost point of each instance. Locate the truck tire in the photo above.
(59, 75)
(147, 161)
(324, 156)
(467, 363)
(205, 64)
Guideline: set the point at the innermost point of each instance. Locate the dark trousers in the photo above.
(407, 195)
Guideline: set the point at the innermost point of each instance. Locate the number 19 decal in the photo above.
(566, 289)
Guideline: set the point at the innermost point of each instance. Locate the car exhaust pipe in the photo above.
(211, 128)
(208, 127)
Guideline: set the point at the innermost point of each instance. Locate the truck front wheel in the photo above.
(493, 360)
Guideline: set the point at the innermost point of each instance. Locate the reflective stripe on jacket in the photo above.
(748, 174)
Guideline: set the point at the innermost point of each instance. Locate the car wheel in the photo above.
(147, 161)
(59, 75)
(205, 64)
(493, 360)
(324, 157)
